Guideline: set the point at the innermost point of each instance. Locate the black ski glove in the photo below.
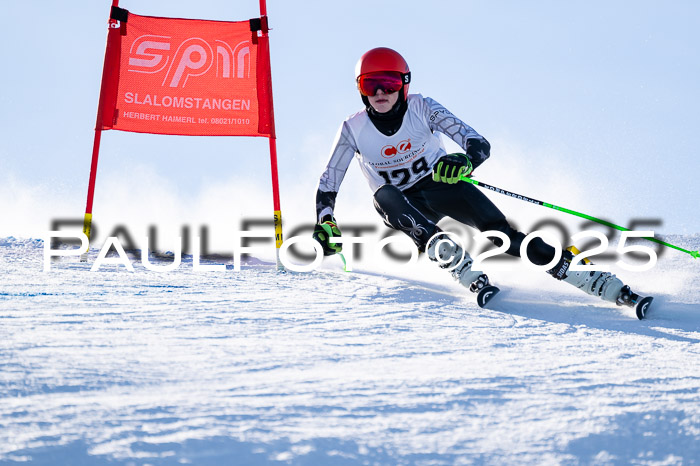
(451, 167)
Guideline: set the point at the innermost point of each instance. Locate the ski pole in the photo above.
(695, 254)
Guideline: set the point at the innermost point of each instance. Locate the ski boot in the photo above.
(596, 283)
(450, 255)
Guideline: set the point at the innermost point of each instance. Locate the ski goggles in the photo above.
(387, 81)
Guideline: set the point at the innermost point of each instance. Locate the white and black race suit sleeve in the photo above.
(474, 145)
(344, 149)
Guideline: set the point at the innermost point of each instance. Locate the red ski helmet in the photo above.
(384, 59)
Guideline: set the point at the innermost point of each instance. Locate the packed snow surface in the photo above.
(328, 367)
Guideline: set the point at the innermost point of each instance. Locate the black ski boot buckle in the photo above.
(481, 281)
(627, 297)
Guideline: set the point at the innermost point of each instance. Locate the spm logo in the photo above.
(401, 148)
(191, 57)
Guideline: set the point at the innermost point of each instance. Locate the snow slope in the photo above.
(258, 367)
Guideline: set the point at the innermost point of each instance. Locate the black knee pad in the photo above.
(388, 194)
(398, 213)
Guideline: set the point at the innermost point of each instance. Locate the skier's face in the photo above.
(383, 102)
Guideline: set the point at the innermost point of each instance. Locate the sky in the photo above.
(592, 106)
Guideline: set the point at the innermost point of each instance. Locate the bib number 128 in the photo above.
(402, 176)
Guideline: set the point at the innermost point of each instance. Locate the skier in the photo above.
(416, 183)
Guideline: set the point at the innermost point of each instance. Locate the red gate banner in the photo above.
(186, 77)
